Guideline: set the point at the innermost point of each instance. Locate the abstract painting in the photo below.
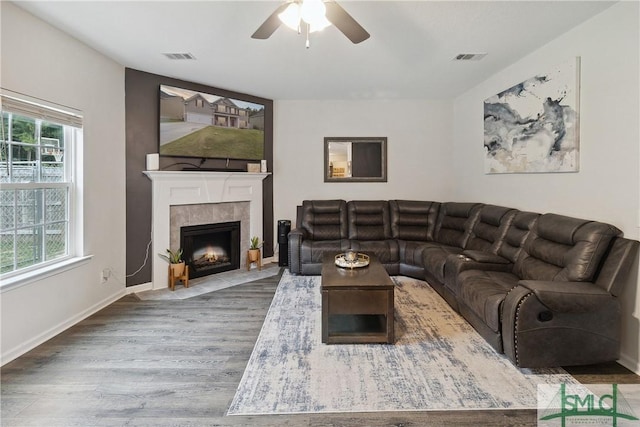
(533, 126)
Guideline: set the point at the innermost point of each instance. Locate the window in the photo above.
(37, 188)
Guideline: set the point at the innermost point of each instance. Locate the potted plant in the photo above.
(254, 249)
(176, 263)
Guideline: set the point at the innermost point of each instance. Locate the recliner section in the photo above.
(452, 234)
(412, 224)
(323, 228)
(370, 232)
(500, 258)
(541, 288)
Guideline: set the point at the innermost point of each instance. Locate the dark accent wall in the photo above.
(141, 115)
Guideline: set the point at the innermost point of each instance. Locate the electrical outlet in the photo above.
(104, 275)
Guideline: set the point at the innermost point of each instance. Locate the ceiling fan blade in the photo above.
(269, 26)
(345, 22)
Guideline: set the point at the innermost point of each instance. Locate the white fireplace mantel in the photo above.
(186, 188)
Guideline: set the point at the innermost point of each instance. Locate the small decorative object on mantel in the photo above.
(153, 162)
(253, 255)
(253, 167)
(178, 270)
(351, 259)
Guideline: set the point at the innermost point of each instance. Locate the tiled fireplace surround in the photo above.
(194, 198)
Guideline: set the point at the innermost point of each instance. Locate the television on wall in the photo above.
(209, 126)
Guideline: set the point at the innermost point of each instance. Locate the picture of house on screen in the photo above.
(196, 124)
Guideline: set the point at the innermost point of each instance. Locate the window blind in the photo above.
(37, 110)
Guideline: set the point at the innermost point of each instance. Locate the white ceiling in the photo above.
(409, 54)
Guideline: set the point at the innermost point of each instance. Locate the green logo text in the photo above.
(612, 406)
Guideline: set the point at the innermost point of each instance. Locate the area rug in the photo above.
(438, 362)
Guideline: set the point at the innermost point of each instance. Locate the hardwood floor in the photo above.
(178, 363)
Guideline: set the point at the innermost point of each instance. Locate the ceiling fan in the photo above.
(312, 15)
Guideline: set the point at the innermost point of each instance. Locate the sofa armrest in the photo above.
(547, 324)
(568, 297)
(298, 233)
(295, 238)
(485, 257)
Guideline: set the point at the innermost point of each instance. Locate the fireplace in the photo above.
(219, 190)
(211, 248)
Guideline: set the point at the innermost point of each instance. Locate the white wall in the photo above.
(607, 188)
(418, 150)
(43, 62)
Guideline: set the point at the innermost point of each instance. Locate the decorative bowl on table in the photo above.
(351, 259)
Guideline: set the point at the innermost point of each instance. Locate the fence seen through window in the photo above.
(35, 191)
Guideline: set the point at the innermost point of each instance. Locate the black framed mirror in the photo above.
(360, 159)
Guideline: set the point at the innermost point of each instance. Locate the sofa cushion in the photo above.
(455, 221)
(312, 251)
(413, 220)
(564, 248)
(410, 252)
(483, 293)
(368, 220)
(517, 234)
(434, 257)
(324, 219)
(490, 228)
(385, 250)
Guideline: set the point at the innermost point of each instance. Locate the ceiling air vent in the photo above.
(469, 56)
(179, 55)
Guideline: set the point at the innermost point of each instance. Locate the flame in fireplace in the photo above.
(211, 255)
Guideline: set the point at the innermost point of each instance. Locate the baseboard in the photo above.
(138, 288)
(29, 345)
(629, 363)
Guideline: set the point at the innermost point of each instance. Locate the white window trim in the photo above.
(75, 257)
(45, 271)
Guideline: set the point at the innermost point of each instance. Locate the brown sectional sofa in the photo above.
(541, 288)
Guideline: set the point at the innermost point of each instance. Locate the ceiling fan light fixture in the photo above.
(291, 16)
(310, 16)
(313, 12)
(319, 25)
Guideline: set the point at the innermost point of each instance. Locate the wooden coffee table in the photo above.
(357, 304)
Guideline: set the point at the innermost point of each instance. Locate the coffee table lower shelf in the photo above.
(356, 329)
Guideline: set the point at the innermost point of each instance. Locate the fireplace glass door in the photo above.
(211, 248)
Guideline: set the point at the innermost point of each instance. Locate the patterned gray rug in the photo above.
(438, 361)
